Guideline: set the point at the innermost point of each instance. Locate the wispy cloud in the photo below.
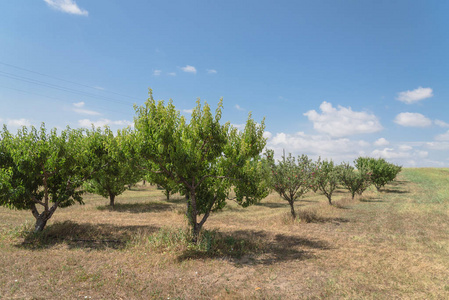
(381, 142)
(189, 69)
(342, 121)
(239, 108)
(211, 71)
(188, 111)
(103, 122)
(157, 72)
(18, 122)
(408, 119)
(67, 6)
(172, 73)
(78, 108)
(416, 95)
(441, 123)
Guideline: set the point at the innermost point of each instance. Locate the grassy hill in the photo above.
(392, 244)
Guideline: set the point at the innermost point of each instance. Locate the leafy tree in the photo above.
(327, 177)
(42, 168)
(291, 178)
(169, 186)
(382, 172)
(119, 168)
(205, 158)
(356, 181)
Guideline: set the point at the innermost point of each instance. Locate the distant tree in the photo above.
(356, 181)
(119, 167)
(40, 168)
(205, 158)
(291, 178)
(382, 172)
(327, 177)
(169, 186)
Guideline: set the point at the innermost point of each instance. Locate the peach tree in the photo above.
(291, 178)
(119, 168)
(205, 158)
(382, 172)
(42, 170)
(355, 181)
(327, 177)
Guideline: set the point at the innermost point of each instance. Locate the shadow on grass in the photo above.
(138, 207)
(394, 191)
(272, 205)
(372, 199)
(177, 200)
(84, 236)
(249, 247)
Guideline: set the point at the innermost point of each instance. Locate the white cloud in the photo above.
(405, 147)
(415, 95)
(437, 145)
(412, 120)
(267, 135)
(67, 6)
(189, 69)
(18, 122)
(172, 74)
(381, 142)
(443, 136)
(157, 72)
(211, 71)
(99, 88)
(188, 111)
(441, 123)
(238, 107)
(78, 109)
(342, 121)
(317, 145)
(103, 122)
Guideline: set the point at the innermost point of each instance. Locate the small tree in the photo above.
(41, 168)
(382, 172)
(327, 177)
(204, 157)
(119, 168)
(290, 178)
(356, 181)
(169, 186)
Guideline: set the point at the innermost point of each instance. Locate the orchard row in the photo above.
(202, 159)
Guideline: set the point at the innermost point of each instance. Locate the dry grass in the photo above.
(384, 245)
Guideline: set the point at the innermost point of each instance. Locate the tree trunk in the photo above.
(42, 218)
(111, 199)
(353, 194)
(292, 208)
(329, 197)
(41, 221)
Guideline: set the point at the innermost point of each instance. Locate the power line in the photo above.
(61, 88)
(55, 98)
(68, 81)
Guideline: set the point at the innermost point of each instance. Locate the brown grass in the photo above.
(388, 245)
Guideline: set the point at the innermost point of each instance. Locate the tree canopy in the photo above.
(206, 158)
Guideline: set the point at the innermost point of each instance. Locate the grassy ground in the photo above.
(387, 245)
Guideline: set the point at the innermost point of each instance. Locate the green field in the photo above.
(388, 245)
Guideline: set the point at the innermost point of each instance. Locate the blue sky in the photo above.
(335, 79)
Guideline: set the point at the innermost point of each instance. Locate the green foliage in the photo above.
(40, 167)
(327, 177)
(170, 187)
(356, 181)
(116, 167)
(291, 178)
(382, 172)
(205, 158)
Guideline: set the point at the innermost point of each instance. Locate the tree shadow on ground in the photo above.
(272, 205)
(371, 199)
(394, 191)
(177, 200)
(84, 236)
(138, 207)
(249, 247)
